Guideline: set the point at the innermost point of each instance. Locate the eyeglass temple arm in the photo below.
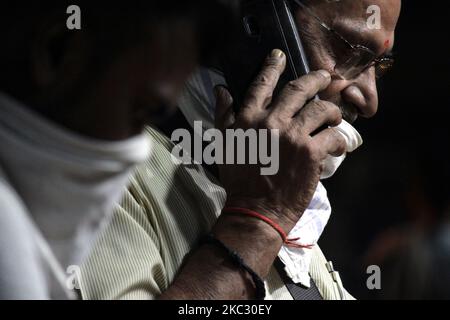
(323, 24)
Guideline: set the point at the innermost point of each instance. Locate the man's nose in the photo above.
(361, 92)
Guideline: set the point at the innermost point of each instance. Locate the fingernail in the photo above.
(277, 53)
(325, 74)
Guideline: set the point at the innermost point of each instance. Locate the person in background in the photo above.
(73, 104)
(414, 256)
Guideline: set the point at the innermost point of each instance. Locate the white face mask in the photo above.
(315, 218)
(353, 140)
(68, 183)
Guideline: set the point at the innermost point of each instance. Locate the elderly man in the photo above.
(152, 250)
(73, 105)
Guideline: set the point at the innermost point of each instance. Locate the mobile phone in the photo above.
(264, 25)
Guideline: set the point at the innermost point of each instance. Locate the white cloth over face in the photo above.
(311, 225)
(197, 103)
(62, 184)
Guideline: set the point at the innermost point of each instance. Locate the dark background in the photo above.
(391, 198)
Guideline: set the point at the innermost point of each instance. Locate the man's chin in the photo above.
(153, 116)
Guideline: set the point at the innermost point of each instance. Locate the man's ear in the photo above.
(53, 52)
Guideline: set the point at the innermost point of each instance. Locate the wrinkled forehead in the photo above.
(358, 11)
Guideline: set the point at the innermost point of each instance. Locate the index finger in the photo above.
(259, 95)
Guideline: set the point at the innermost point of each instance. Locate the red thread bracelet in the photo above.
(277, 227)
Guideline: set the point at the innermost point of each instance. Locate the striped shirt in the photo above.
(167, 208)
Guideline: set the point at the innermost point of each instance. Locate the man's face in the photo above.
(357, 96)
(110, 90)
(142, 85)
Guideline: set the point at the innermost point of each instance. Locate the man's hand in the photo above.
(209, 272)
(303, 149)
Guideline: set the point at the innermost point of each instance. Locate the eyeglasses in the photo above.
(358, 57)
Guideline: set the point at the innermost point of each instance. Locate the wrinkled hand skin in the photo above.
(285, 195)
(208, 272)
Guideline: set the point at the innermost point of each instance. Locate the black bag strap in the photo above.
(297, 291)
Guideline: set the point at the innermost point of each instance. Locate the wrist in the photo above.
(277, 213)
(254, 240)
